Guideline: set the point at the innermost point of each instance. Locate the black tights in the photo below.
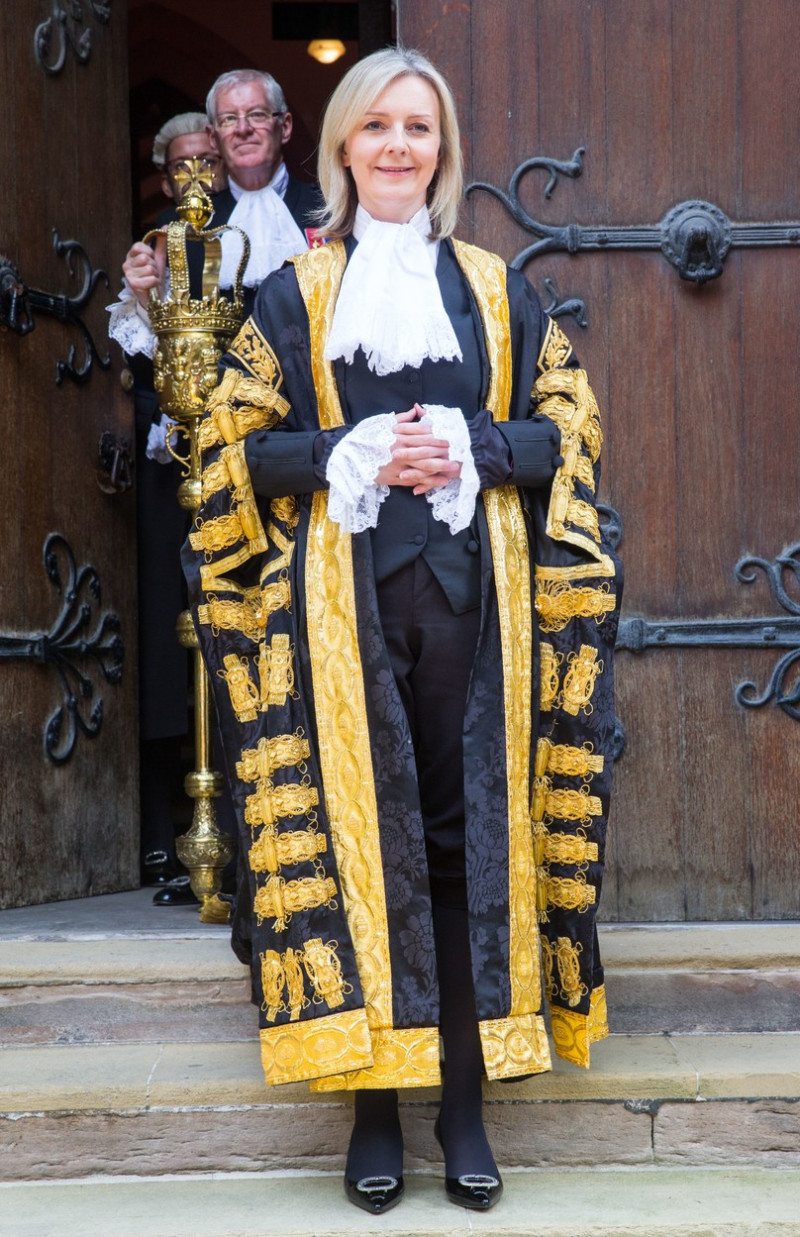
(376, 1144)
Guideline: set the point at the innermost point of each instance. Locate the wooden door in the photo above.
(68, 733)
(672, 102)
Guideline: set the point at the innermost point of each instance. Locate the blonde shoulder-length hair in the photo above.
(357, 90)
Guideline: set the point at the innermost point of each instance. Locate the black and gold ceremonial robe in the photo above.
(319, 753)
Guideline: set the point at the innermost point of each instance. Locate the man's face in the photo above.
(190, 146)
(246, 133)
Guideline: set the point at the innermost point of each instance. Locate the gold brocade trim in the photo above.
(252, 349)
(282, 751)
(279, 972)
(243, 691)
(261, 408)
(270, 802)
(563, 848)
(401, 1058)
(315, 1047)
(279, 899)
(272, 850)
(565, 397)
(567, 761)
(579, 681)
(569, 970)
(218, 534)
(548, 964)
(325, 972)
(550, 663)
(249, 616)
(572, 804)
(566, 804)
(558, 602)
(281, 561)
(275, 671)
(286, 509)
(567, 894)
(486, 275)
(514, 1045)
(583, 515)
(573, 1033)
(337, 675)
(578, 571)
(345, 755)
(319, 276)
(556, 349)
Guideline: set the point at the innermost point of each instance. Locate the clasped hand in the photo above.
(419, 460)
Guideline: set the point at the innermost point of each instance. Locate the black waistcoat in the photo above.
(406, 527)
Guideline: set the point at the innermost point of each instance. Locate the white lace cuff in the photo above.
(453, 503)
(355, 500)
(129, 324)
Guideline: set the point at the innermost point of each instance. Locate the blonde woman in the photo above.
(399, 549)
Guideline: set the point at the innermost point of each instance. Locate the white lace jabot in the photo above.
(389, 303)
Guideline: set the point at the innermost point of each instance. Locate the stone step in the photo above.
(666, 1202)
(687, 978)
(95, 982)
(77, 1110)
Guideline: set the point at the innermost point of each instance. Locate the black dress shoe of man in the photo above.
(177, 893)
(473, 1190)
(157, 868)
(375, 1194)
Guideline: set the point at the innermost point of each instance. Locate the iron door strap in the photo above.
(694, 236)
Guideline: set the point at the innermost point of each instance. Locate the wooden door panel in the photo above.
(672, 102)
(68, 827)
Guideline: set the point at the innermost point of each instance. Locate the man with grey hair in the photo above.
(248, 126)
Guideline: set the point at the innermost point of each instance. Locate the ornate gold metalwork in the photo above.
(579, 681)
(567, 761)
(192, 335)
(272, 849)
(569, 970)
(550, 663)
(280, 752)
(558, 601)
(556, 349)
(325, 972)
(243, 691)
(280, 899)
(275, 671)
(271, 802)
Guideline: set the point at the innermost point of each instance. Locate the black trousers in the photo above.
(431, 651)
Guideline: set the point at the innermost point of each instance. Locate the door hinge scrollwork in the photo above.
(73, 648)
(779, 631)
(18, 303)
(65, 29)
(694, 236)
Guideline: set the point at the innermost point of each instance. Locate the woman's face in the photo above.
(393, 151)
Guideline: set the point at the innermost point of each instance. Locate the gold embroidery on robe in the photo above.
(579, 681)
(270, 802)
(325, 972)
(279, 899)
(556, 349)
(275, 671)
(550, 663)
(569, 971)
(282, 751)
(557, 603)
(243, 691)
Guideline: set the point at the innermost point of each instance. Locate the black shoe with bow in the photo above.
(375, 1194)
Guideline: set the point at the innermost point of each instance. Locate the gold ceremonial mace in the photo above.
(192, 336)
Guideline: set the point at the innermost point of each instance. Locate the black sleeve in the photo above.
(290, 463)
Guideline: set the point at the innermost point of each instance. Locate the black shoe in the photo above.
(476, 1191)
(177, 893)
(157, 868)
(375, 1194)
